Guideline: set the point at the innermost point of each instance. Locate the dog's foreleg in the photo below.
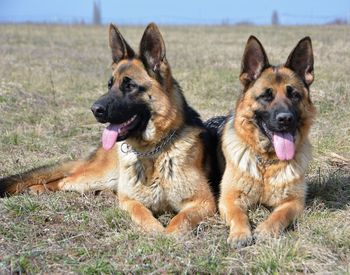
(280, 218)
(192, 213)
(233, 209)
(140, 214)
(234, 212)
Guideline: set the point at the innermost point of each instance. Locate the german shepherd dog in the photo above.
(265, 145)
(152, 151)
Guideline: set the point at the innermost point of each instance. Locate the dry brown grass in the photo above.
(50, 75)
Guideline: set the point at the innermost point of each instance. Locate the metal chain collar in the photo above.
(126, 148)
(264, 162)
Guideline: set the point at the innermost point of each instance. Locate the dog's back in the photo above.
(214, 127)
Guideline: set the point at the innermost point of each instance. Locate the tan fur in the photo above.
(173, 180)
(246, 180)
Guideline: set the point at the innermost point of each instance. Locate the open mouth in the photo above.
(283, 142)
(118, 132)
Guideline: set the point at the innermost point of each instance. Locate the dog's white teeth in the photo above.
(129, 121)
(132, 119)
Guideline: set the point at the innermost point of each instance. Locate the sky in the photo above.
(291, 12)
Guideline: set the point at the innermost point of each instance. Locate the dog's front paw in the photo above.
(153, 228)
(176, 229)
(240, 239)
(267, 230)
(176, 232)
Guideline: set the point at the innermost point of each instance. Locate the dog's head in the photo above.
(138, 104)
(274, 111)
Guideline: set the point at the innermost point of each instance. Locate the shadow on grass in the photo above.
(332, 189)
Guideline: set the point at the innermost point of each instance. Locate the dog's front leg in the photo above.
(193, 211)
(280, 218)
(233, 210)
(140, 214)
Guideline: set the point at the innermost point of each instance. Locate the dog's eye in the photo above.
(110, 83)
(293, 94)
(267, 95)
(128, 84)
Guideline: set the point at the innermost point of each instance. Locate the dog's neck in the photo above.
(249, 135)
(156, 150)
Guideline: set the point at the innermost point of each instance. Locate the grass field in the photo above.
(49, 77)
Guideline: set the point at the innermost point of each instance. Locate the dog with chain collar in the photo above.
(153, 149)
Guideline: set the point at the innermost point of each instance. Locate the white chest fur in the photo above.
(160, 183)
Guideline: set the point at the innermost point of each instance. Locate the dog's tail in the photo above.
(39, 176)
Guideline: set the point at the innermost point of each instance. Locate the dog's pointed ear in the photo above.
(254, 61)
(301, 60)
(152, 48)
(120, 48)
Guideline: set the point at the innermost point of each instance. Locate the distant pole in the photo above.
(275, 21)
(96, 13)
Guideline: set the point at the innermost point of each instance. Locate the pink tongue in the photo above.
(110, 135)
(284, 145)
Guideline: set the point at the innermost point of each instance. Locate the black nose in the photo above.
(98, 110)
(284, 118)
